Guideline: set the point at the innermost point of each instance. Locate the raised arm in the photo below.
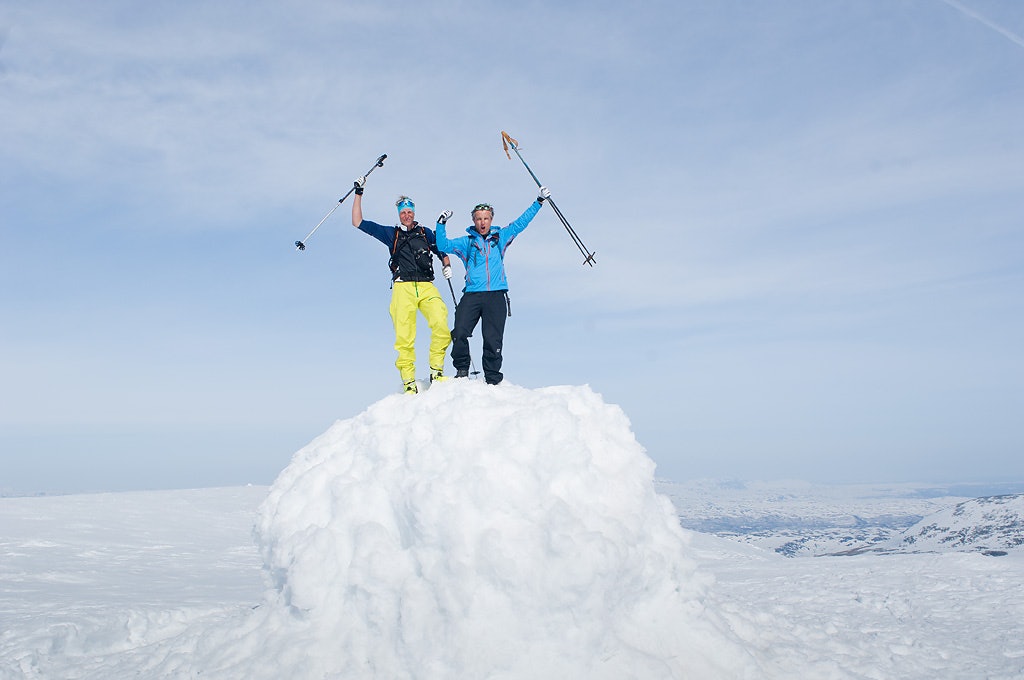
(523, 221)
(357, 201)
(444, 244)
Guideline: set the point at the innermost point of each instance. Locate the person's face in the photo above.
(482, 221)
(406, 217)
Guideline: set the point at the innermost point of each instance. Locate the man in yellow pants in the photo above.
(412, 288)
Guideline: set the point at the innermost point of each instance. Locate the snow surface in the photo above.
(472, 532)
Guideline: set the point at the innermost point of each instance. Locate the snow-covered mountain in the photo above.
(992, 525)
(798, 519)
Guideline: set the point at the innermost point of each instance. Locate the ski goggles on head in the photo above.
(483, 206)
(405, 203)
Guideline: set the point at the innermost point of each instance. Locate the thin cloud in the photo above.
(3, 40)
(1010, 35)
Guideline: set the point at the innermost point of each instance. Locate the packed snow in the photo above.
(473, 532)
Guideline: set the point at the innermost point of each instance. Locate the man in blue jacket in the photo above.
(485, 296)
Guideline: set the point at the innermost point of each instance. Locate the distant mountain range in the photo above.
(796, 519)
(991, 524)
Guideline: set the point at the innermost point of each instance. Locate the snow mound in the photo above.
(475, 531)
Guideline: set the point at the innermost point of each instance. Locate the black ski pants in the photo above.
(492, 308)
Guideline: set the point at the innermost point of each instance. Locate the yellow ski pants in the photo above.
(406, 298)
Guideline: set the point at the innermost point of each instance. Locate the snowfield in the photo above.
(479, 532)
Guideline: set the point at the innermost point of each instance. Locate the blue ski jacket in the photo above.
(484, 256)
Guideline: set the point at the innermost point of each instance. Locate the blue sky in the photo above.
(807, 221)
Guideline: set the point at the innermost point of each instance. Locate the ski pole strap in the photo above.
(505, 139)
(508, 303)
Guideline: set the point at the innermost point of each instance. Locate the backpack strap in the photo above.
(392, 262)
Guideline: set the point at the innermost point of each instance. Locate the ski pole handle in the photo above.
(379, 163)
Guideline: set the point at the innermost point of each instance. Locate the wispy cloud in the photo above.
(1005, 32)
(805, 175)
(3, 39)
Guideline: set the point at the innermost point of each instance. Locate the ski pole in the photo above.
(301, 245)
(507, 141)
(472, 364)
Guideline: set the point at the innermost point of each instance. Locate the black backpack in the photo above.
(423, 261)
